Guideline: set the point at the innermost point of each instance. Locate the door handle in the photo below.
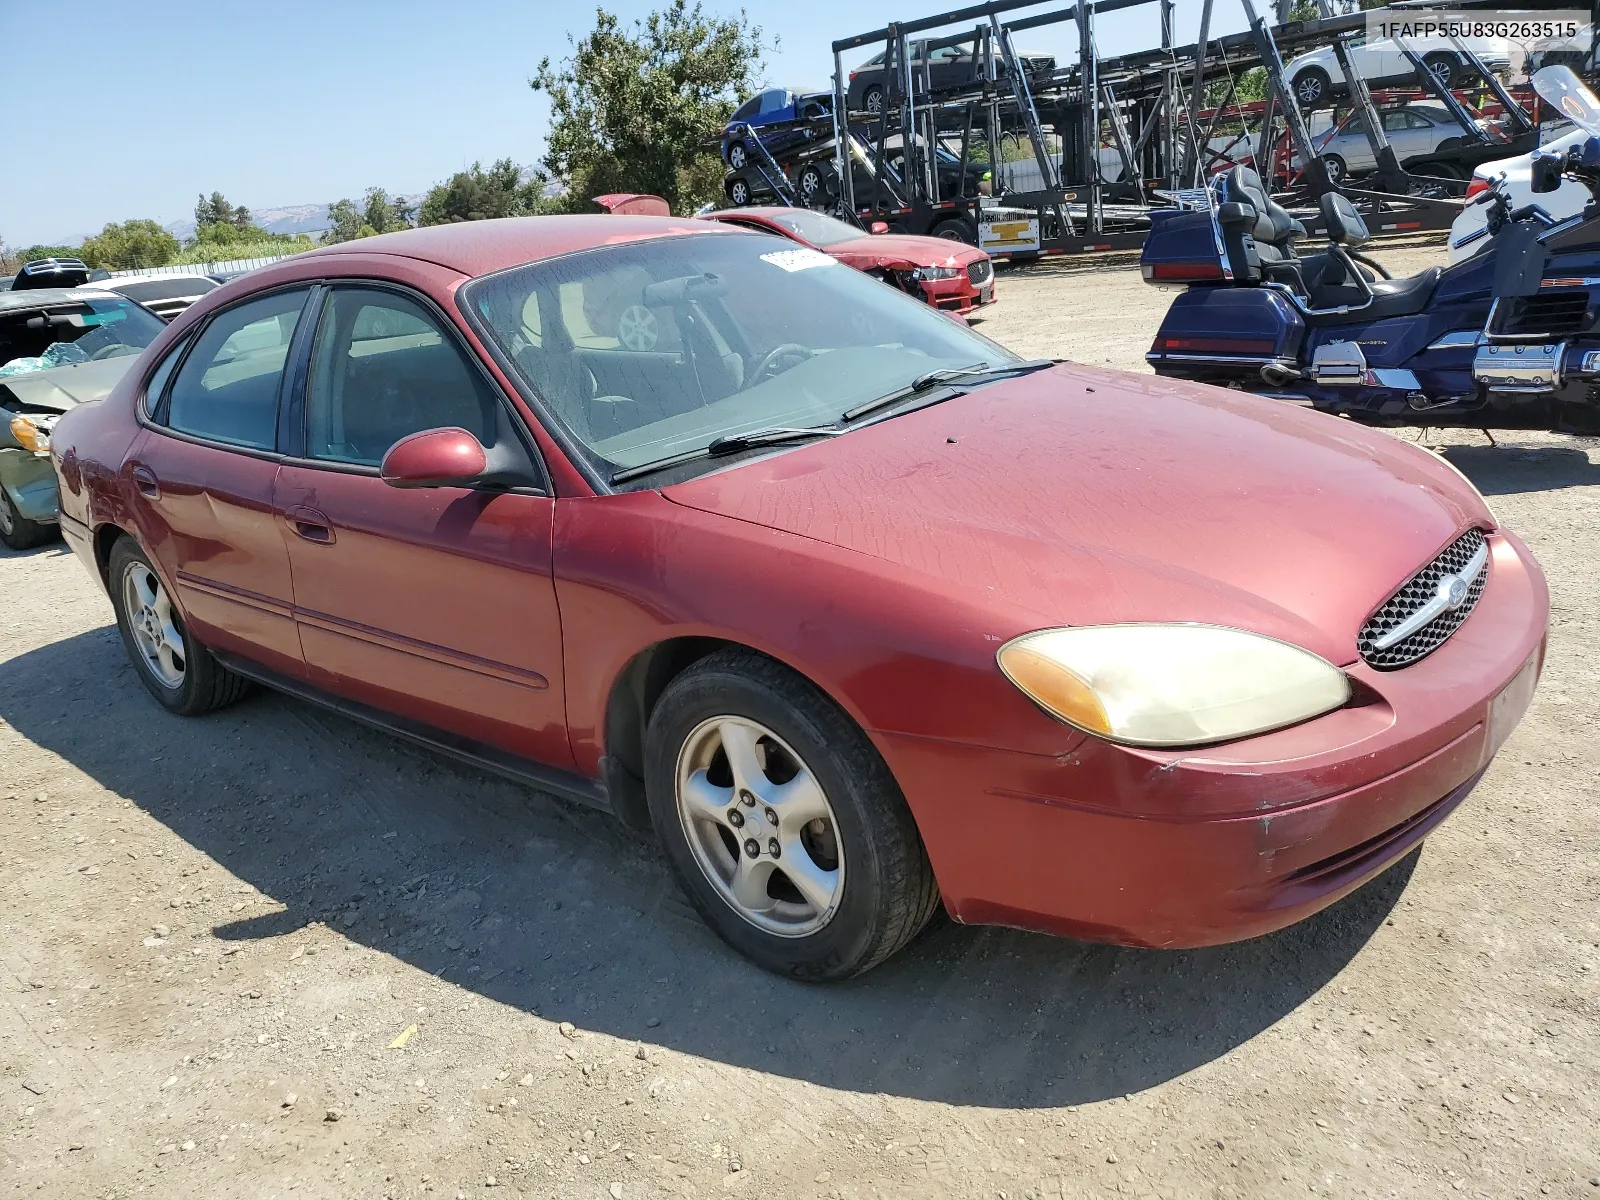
(309, 524)
(145, 480)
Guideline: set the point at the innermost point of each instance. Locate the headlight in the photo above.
(31, 433)
(1171, 685)
(938, 272)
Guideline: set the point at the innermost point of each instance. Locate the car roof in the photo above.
(44, 297)
(117, 280)
(479, 247)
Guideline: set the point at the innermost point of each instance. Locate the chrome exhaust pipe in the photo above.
(1277, 375)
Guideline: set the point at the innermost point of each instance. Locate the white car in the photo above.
(166, 294)
(1315, 76)
(1470, 231)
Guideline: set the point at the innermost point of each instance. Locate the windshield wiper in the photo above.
(729, 444)
(975, 373)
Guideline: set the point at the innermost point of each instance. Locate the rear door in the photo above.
(434, 604)
(204, 470)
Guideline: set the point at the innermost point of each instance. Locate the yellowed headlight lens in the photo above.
(1053, 687)
(29, 436)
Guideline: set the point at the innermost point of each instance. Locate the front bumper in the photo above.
(1169, 849)
(30, 481)
(958, 295)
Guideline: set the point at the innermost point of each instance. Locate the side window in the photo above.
(158, 379)
(1395, 120)
(383, 369)
(228, 388)
(747, 110)
(773, 99)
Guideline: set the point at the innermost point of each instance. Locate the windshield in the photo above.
(56, 335)
(814, 227)
(657, 348)
(1565, 92)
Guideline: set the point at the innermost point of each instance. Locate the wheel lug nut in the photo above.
(772, 817)
(748, 800)
(752, 848)
(773, 848)
(735, 818)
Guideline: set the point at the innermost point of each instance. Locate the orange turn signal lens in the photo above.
(1054, 688)
(28, 434)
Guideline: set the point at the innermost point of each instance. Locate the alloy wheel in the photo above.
(760, 826)
(154, 625)
(736, 156)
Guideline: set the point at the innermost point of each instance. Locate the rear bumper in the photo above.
(1173, 850)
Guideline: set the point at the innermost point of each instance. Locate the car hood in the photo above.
(1081, 496)
(61, 388)
(887, 248)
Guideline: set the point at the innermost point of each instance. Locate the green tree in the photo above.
(217, 211)
(28, 253)
(130, 245)
(378, 213)
(638, 108)
(477, 194)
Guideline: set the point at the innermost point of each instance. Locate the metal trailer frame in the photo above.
(1159, 131)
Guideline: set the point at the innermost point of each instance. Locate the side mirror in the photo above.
(878, 227)
(1545, 175)
(435, 458)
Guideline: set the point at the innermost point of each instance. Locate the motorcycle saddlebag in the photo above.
(1227, 334)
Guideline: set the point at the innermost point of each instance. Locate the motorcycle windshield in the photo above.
(1563, 91)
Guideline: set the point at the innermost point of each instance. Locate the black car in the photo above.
(948, 67)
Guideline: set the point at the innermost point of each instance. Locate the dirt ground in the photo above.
(270, 953)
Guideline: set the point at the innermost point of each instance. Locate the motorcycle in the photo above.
(1507, 339)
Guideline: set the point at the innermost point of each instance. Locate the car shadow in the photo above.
(1510, 470)
(559, 911)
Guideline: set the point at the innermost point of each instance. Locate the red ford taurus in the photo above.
(858, 611)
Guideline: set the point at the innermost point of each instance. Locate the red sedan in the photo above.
(946, 273)
(856, 610)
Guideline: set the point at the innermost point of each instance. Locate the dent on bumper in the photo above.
(30, 481)
(1111, 844)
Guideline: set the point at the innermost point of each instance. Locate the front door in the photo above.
(436, 604)
(204, 470)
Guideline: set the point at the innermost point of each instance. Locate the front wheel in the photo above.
(956, 230)
(738, 192)
(1335, 168)
(781, 822)
(19, 533)
(737, 157)
(171, 663)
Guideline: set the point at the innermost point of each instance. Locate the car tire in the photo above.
(1311, 87)
(18, 532)
(872, 100)
(1446, 68)
(812, 184)
(956, 229)
(738, 190)
(170, 661)
(1336, 169)
(738, 156)
(866, 887)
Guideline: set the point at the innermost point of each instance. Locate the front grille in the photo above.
(1552, 314)
(980, 272)
(1413, 594)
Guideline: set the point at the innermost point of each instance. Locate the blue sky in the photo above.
(142, 105)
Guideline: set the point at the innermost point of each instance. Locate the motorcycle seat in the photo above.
(1390, 298)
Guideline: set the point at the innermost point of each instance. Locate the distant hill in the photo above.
(289, 218)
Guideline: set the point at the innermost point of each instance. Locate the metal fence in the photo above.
(236, 266)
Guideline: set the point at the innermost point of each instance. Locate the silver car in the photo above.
(1416, 132)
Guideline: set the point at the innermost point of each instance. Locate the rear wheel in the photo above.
(19, 533)
(1335, 168)
(737, 156)
(872, 100)
(1443, 67)
(813, 185)
(781, 821)
(738, 192)
(171, 663)
(955, 230)
(1311, 87)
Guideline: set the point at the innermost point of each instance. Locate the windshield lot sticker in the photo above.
(798, 260)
